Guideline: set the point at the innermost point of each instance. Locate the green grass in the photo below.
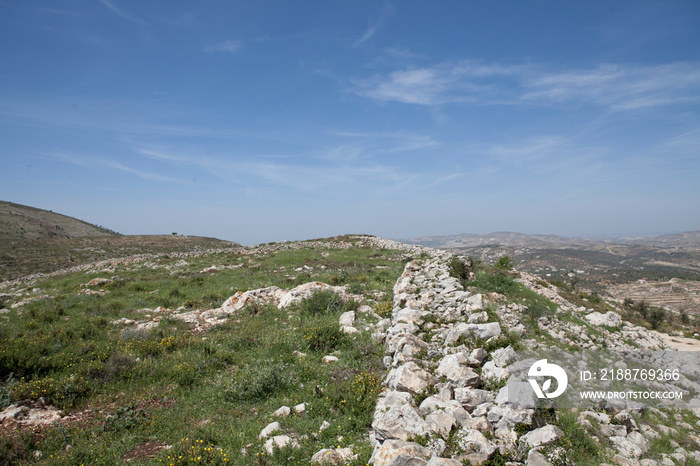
(490, 279)
(206, 394)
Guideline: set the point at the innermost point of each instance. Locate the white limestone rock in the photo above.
(478, 318)
(409, 378)
(483, 331)
(347, 319)
(454, 368)
(283, 411)
(334, 456)
(437, 461)
(543, 436)
(395, 418)
(502, 357)
(400, 453)
(475, 445)
(535, 458)
(470, 398)
(269, 429)
(279, 441)
(440, 422)
(609, 319)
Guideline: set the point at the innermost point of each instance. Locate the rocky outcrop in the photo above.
(29, 413)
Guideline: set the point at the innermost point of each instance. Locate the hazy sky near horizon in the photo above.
(259, 121)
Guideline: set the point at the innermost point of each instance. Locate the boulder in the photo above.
(475, 446)
(451, 367)
(502, 357)
(347, 319)
(609, 319)
(279, 441)
(335, 456)
(535, 458)
(400, 453)
(269, 429)
(437, 461)
(284, 411)
(483, 331)
(543, 436)
(470, 398)
(410, 316)
(395, 418)
(29, 412)
(409, 378)
(440, 422)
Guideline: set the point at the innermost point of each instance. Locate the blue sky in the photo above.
(258, 121)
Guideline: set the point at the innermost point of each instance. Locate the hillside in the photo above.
(346, 350)
(36, 241)
(663, 270)
(20, 222)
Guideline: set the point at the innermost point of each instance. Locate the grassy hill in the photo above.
(21, 222)
(176, 394)
(39, 241)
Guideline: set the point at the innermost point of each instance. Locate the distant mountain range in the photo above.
(690, 239)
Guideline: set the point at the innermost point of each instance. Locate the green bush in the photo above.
(459, 269)
(656, 317)
(323, 337)
(504, 262)
(495, 282)
(384, 308)
(125, 418)
(63, 392)
(259, 382)
(322, 302)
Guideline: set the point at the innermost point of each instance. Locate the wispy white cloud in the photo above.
(621, 87)
(402, 53)
(229, 46)
(463, 81)
(127, 16)
(333, 171)
(93, 161)
(386, 11)
(616, 86)
(532, 147)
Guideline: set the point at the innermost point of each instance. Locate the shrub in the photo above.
(62, 393)
(655, 317)
(384, 308)
(259, 382)
(495, 282)
(642, 309)
(323, 337)
(322, 302)
(504, 262)
(459, 269)
(125, 418)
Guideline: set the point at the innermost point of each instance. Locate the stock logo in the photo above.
(542, 368)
